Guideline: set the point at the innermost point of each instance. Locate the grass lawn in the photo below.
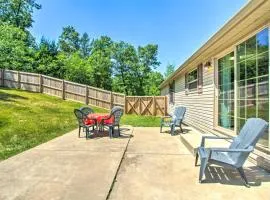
(141, 121)
(28, 119)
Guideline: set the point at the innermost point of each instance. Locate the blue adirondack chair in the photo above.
(176, 119)
(237, 153)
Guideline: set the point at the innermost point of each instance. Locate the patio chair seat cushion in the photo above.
(89, 122)
(109, 121)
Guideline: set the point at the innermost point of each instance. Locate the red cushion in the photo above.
(109, 121)
(89, 122)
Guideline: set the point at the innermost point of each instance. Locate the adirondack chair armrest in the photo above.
(164, 117)
(249, 149)
(213, 137)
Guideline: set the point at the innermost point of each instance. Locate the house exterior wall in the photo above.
(200, 107)
(165, 91)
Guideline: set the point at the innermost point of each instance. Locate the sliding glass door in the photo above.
(253, 80)
(248, 68)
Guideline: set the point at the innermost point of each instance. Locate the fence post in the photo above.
(96, 97)
(111, 95)
(125, 105)
(165, 106)
(40, 83)
(63, 89)
(86, 95)
(140, 105)
(154, 106)
(3, 78)
(18, 80)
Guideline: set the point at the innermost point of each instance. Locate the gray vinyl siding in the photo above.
(200, 107)
(165, 91)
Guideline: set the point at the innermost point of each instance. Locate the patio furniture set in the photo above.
(232, 157)
(88, 119)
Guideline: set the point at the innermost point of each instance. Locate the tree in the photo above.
(78, 69)
(15, 54)
(169, 70)
(152, 83)
(85, 46)
(69, 40)
(46, 59)
(147, 57)
(101, 64)
(18, 12)
(124, 57)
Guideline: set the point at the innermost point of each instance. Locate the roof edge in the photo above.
(241, 14)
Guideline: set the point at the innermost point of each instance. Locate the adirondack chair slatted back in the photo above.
(80, 116)
(87, 110)
(249, 135)
(117, 113)
(178, 115)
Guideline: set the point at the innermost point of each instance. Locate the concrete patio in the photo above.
(148, 165)
(67, 167)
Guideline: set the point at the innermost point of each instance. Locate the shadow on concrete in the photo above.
(124, 133)
(177, 131)
(255, 175)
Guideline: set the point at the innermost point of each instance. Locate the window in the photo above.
(192, 79)
(253, 80)
(171, 92)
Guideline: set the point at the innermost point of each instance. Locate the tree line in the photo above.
(99, 62)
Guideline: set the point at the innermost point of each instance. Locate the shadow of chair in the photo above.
(255, 175)
(178, 132)
(97, 134)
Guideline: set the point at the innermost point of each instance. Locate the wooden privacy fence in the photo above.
(82, 93)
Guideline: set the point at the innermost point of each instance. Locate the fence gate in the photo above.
(146, 105)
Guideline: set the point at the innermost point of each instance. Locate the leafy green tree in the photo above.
(148, 61)
(85, 45)
(101, 63)
(78, 69)
(15, 54)
(18, 12)
(169, 70)
(133, 68)
(46, 59)
(69, 40)
(152, 84)
(124, 57)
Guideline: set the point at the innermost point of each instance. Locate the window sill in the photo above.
(192, 91)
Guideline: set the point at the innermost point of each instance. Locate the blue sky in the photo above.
(179, 27)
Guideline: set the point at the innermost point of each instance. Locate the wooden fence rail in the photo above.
(83, 93)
